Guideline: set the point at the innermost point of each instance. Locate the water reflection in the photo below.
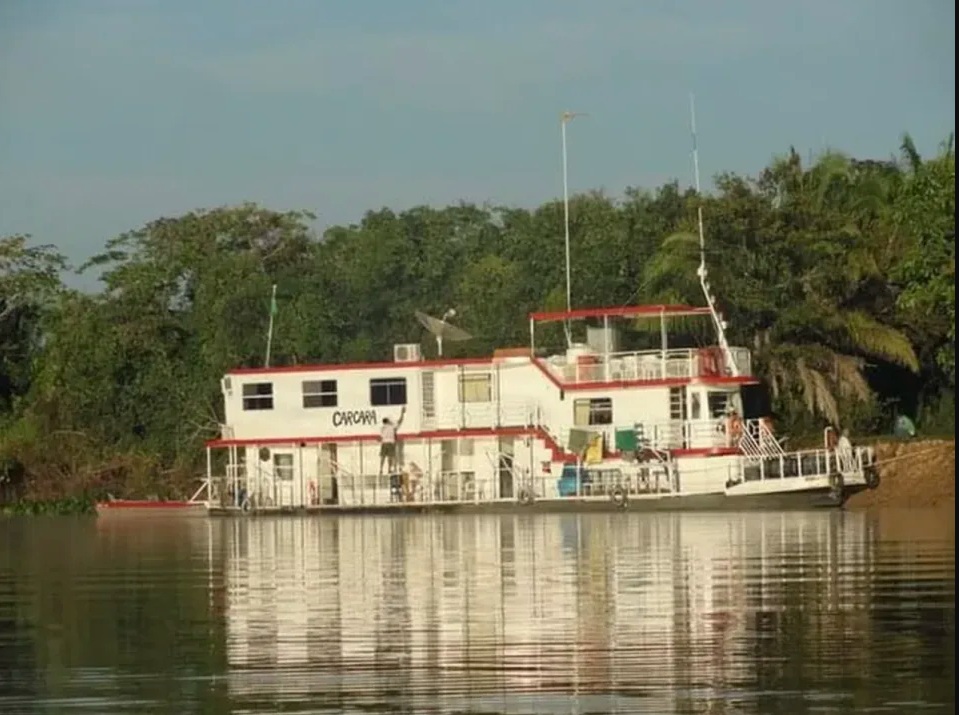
(725, 613)
(660, 613)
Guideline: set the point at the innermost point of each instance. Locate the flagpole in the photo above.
(269, 334)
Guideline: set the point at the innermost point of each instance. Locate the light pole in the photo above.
(566, 118)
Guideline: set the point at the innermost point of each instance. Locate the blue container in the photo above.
(566, 484)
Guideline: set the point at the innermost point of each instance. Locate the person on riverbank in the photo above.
(388, 441)
(844, 453)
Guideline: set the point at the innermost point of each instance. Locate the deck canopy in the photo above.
(626, 311)
(605, 338)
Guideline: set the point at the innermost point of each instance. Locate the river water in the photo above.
(799, 612)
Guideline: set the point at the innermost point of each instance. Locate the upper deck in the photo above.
(599, 360)
(590, 383)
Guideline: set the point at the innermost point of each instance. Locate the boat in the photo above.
(143, 506)
(585, 423)
(591, 427)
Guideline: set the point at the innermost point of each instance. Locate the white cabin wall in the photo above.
(289, 418)
(705, 475)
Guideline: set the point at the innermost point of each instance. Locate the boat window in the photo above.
(388, 391)
(283, 466)
(593, 411)
(695, 406)
(319, 393)
(258, 396)
(476, 387)
(718, 402)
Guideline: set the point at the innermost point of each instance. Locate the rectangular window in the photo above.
(258, 396)
(283, 466)
(593, 411)
(476, 387)
(388, 391)
(319, 393)
(717, 403)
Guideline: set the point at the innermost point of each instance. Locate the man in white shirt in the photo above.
(844, 453)
(388, 441)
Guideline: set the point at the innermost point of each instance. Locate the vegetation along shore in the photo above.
(840, 275)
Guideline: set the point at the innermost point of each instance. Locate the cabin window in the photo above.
(593, 411)
(258, 396)
(388, 391)
(476, 387)
(319, 393)
(718, 403)
(283, 466)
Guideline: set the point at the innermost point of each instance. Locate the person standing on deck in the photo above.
(388, 441)
(844, 453)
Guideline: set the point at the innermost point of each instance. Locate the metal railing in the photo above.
(808, 464)
(483, 415)
(648, 365)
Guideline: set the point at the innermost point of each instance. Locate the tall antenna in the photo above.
(564, 119)
(699, 210)
(718, 320)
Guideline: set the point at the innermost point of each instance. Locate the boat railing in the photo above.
(810, 463)
(664, 435)
(488, 415)
(649, 365)
(470, 487)
(754, 438)
(757, 440)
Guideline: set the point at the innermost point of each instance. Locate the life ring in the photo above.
(618, 495)
(872, 477)
(525, 497)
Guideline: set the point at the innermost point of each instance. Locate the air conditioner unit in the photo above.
(407, 352)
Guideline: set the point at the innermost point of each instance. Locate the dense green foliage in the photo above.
(65, 506)
(840, 276)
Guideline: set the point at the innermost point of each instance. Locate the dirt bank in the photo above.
(920, 473)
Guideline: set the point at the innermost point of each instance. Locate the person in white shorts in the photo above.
(388, 441)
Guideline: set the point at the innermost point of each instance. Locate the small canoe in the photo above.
(139, 505)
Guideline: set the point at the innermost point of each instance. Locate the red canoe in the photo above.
(131, 504)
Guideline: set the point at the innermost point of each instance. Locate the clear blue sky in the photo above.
(115, 112)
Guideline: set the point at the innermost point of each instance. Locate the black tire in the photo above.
(618, 495)
(837, 485)
(525, 497)
(872, 477)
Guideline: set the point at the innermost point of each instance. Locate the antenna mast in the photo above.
(718, 320)
(699, 209)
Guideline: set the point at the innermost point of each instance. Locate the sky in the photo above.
(117, 112)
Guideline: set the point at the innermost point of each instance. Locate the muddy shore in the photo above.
(919, 473)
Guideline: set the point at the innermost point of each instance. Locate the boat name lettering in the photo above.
(352, 418)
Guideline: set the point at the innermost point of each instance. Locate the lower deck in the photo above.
(525, 470)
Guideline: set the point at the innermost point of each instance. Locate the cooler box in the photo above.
(626, 440)
(566, 484)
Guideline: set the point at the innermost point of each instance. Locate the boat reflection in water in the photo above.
(623, 612)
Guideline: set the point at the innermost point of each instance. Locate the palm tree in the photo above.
(794, 259)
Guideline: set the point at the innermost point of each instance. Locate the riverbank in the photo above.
(920, 473)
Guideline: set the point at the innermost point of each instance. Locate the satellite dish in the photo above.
(442, 330)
